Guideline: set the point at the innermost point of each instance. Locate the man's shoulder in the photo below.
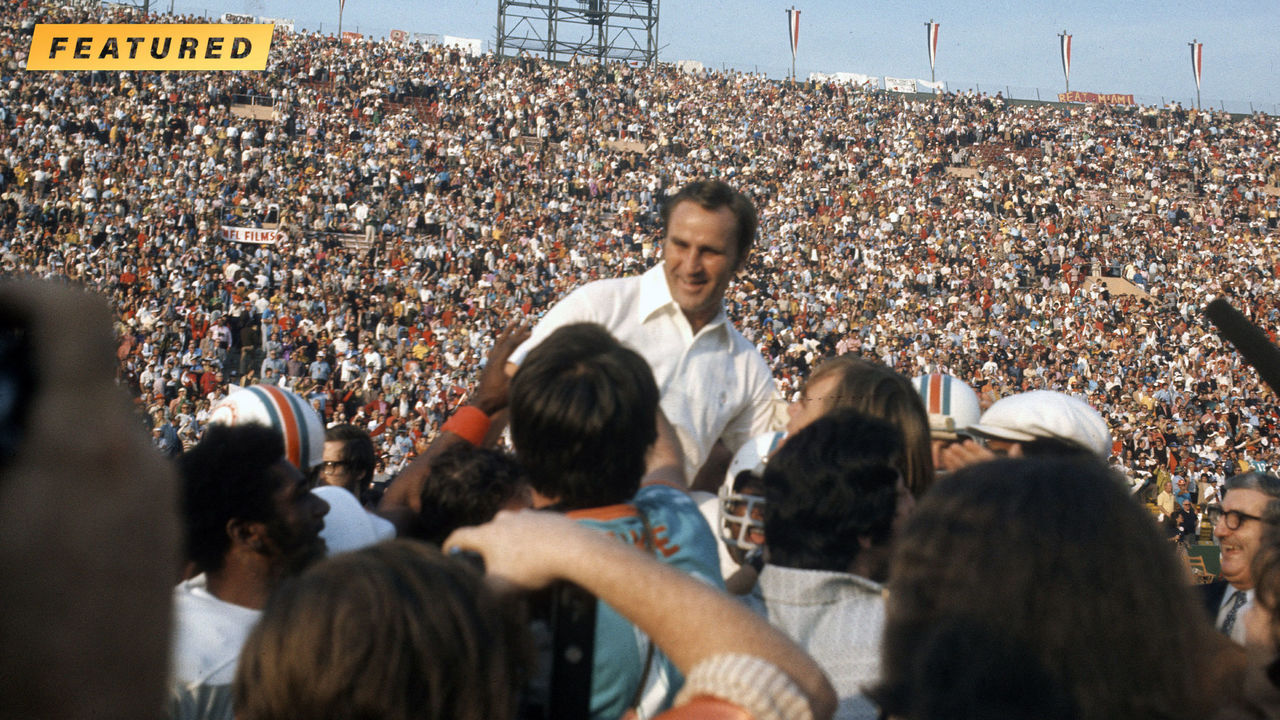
(666, 495)
(196, 610)
(608, 286)
(816, 587)
(1211, 595)
(208, 635)
(681, 534)
(597, 301)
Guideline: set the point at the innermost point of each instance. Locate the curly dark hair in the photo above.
(830, 487)
(466, 486)
(227, 476)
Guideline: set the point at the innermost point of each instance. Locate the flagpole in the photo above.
(341, 6)
(1195, 69)
(1065, 51)
(791, 31)
(929, 25)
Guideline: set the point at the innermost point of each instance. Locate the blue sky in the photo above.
(1119, 46)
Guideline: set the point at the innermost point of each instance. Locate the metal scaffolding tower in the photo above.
(560, 30)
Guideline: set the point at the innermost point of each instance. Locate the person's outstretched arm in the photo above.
(690, 621)
(489, 397)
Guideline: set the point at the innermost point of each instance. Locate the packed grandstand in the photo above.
(405, 202)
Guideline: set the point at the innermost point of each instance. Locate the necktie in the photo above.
(1230, 621)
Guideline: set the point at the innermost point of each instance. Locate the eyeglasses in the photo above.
(1233, 519)
(333, 465)
(805, 399)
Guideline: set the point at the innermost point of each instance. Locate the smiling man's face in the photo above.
(1240, 545)
(700, 256)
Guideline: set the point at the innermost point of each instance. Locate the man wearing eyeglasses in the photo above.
(1238, 530)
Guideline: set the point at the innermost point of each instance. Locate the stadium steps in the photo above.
(1001, 154)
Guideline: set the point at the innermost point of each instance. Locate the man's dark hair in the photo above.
(991, 544)
(1264, 483)
(467, 486)
(227, 476)
(831, 486)
(713, 195)
(583, 414)
(1055, 447)
(999, 679)
(357, 450)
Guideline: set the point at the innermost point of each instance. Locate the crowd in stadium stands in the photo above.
(426, 197)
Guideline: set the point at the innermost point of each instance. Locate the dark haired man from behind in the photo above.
(715, 384)
(832, 493)
(250, 521)
(467, 486)
(584, 424)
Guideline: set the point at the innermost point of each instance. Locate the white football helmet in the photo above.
(741, 511)
(282, 410)
(952, 405)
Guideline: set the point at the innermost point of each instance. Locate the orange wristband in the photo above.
(469, 423)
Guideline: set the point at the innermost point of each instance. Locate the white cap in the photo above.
(1046, 414)
(347, 525)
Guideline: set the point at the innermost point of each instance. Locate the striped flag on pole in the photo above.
(1064, 42)
(793, 30)
(1197, 56)
(933, 44)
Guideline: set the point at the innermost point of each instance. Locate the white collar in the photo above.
(655, 297)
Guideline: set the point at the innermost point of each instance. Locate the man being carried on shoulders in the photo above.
(714, 384)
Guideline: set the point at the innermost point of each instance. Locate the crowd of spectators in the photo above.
(426, 197)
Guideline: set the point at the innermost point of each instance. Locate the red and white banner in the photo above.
(1089, 97)
(933, 43)
(350, 37)
(1064, 43)
(252, 236)
(793, 30)
(399, 37)
(1197, 57)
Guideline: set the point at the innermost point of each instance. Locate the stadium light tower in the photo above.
(561, 30)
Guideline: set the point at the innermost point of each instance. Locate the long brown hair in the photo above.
(1090, 591)
(396, 631)
(881, 392)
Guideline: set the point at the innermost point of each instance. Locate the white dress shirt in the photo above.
(713, 384)
(1228, 597)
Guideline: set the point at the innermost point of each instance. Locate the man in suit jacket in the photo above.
(1238, 531)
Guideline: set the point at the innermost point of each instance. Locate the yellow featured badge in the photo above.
(150, 47)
